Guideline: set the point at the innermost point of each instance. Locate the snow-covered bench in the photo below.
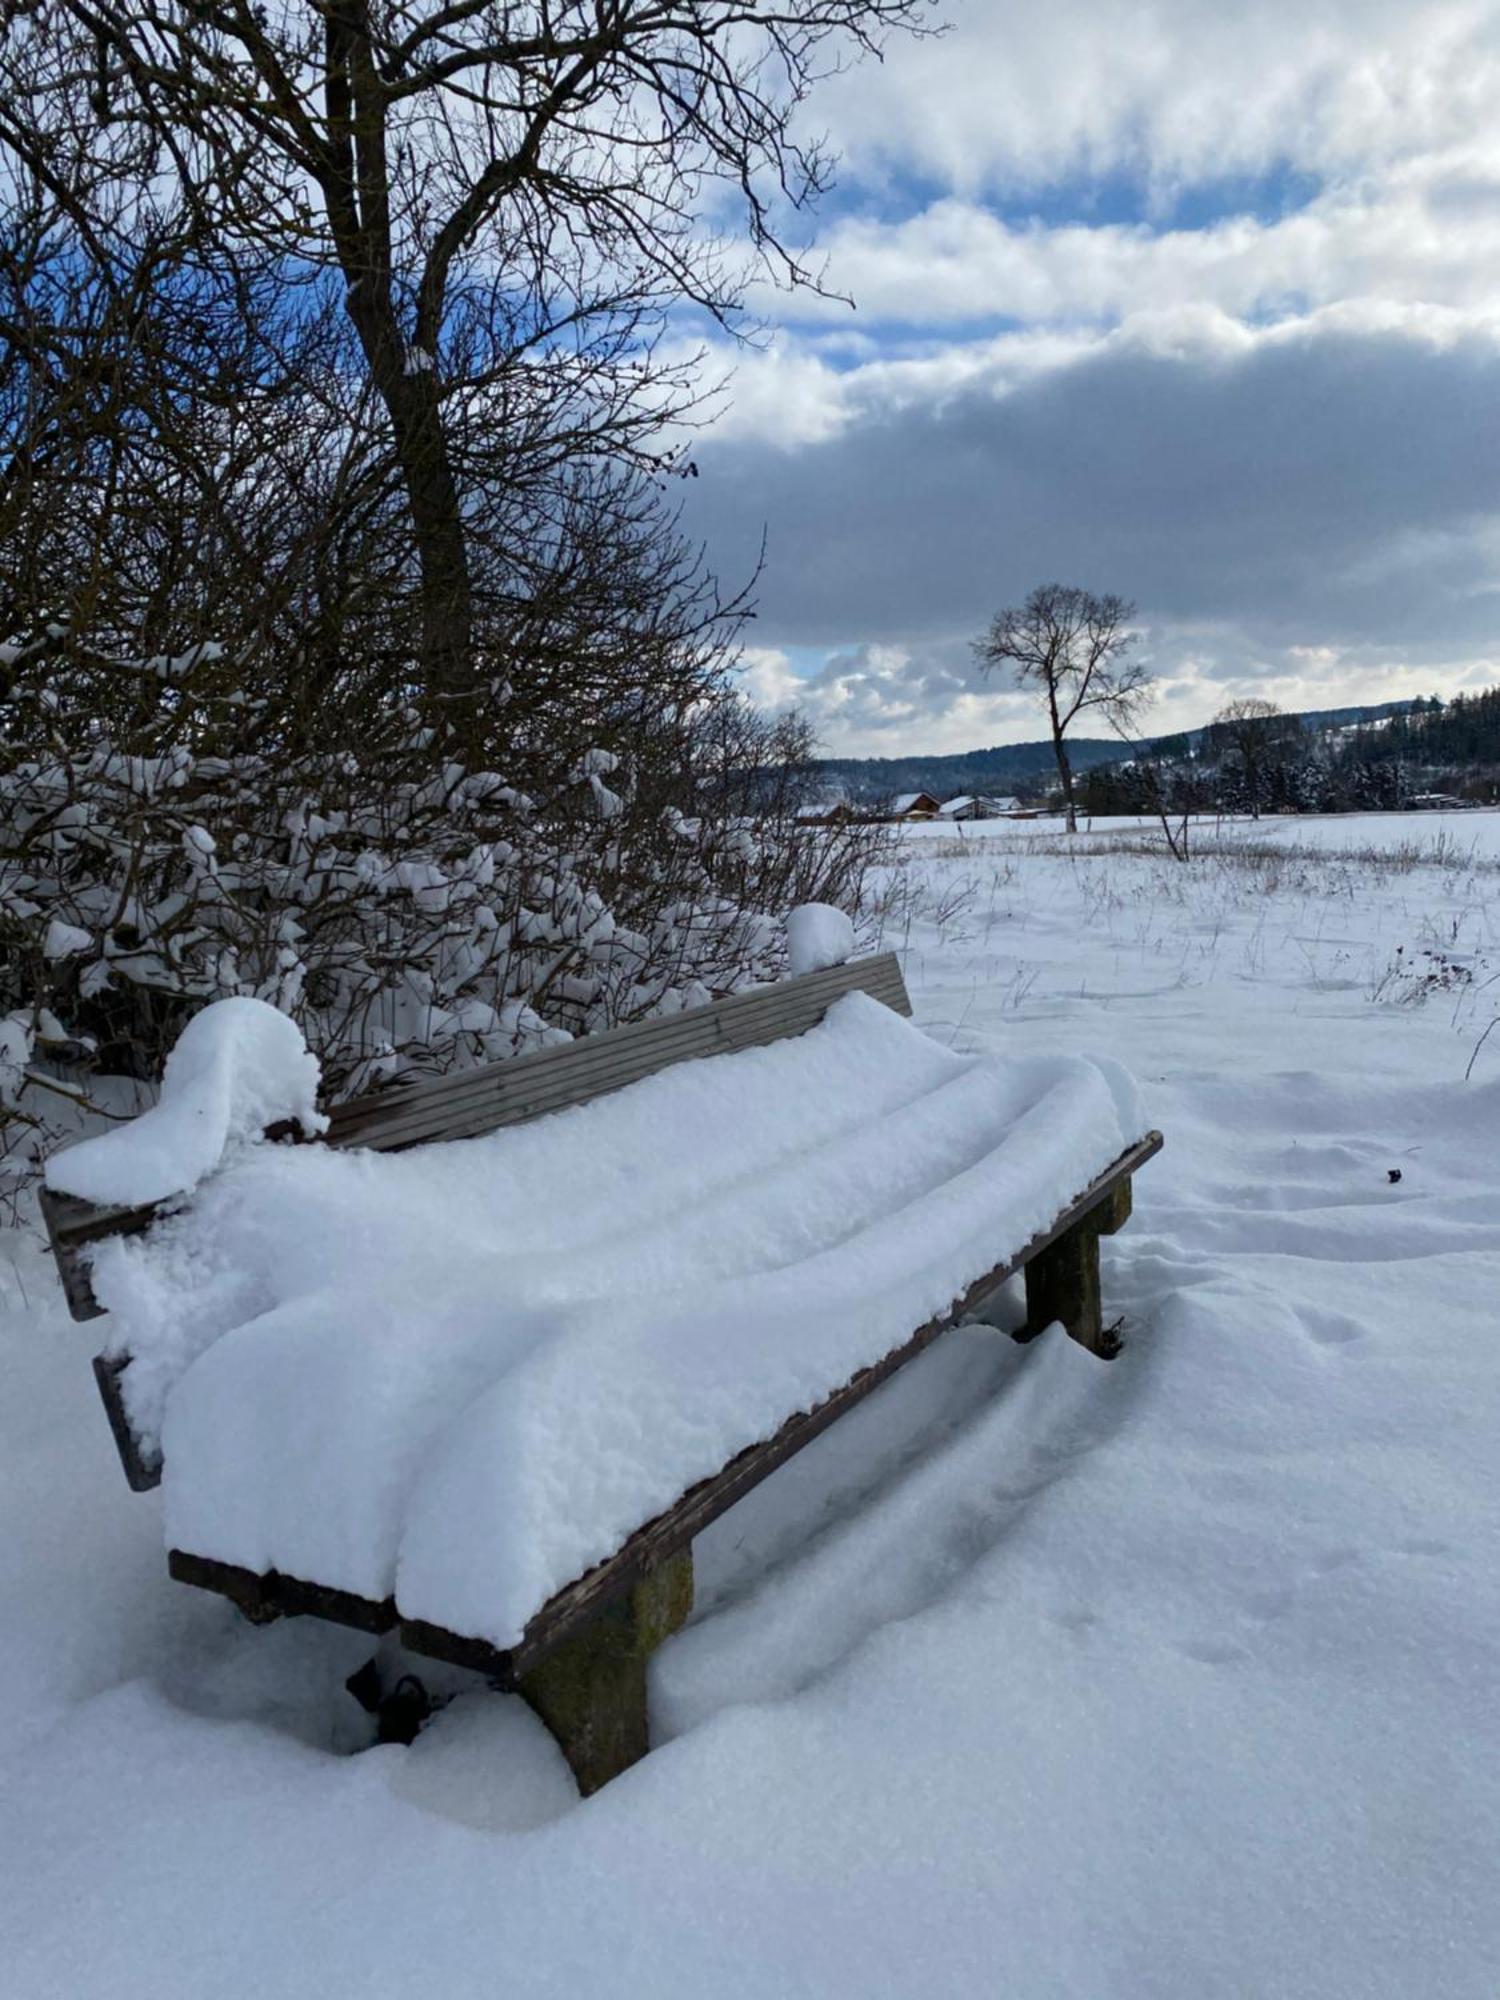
(484, 1395)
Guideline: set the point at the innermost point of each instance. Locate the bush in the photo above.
(412, 912)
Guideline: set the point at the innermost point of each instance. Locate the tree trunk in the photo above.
(1065, 773)
(406, 383)
(446, 590)
(357, 191)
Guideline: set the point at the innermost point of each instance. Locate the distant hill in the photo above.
(1028, 767)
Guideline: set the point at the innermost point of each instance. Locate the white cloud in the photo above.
(800, 390)
(768, 678)
(1022, 95)
(1428, 232)
(789, 395)
(875, 700)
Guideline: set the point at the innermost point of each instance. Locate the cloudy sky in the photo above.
(1200, 304)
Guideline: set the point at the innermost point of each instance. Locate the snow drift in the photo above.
(238, 1067)
(817, 935)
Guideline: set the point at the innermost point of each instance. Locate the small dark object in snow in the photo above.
(401, 1715)
(1393, 1174)
(398, 1715)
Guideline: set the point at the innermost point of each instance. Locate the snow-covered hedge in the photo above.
(410, 912)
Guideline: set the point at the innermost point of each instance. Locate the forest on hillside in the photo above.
(1285, 763)
(1028, 770)
(1358, 759)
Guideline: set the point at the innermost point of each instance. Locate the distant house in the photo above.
(974, 805)
(914, 805)
(832, 812)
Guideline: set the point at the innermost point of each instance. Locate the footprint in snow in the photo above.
(1328, 1560)
(1078, 1619)
(1331, 1329)
(1267, 1605)
(1213, 1652)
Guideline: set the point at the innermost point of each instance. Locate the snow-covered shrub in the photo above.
(411, 912)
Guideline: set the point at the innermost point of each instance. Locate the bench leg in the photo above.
(1062, 1283)
(591, 1691)
(1114, 1211)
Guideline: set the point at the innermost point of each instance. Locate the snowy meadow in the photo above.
(1034, 1676)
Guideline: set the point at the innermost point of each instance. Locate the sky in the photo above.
(1196, 304)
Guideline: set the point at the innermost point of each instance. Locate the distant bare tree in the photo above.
(1073, 648)
(1252, 731)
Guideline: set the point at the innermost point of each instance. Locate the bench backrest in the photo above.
(469, 1103)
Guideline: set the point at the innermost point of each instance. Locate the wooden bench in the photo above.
(581, 1661)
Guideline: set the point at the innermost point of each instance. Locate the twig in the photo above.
(77, 1096)
(1495, 1023)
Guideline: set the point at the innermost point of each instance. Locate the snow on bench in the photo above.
(239, 1068)
(487, 1391)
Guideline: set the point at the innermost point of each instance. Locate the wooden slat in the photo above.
(263, 1597)
(72, 1225)
(573, 1606)
(470, 1102)
(142, 1469)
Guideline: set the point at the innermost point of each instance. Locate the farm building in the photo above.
(914, 805)
(977, 806)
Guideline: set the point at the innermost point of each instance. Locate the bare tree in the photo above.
(1073, 648)
(1164, 793)
(504, 197)
(1252, 731)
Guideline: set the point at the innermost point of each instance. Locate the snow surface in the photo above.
(466, 1373)
(238, 1067)
(817, 935)
(1462, 835)
(1035, 1678)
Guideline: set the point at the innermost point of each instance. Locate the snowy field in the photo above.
(1471, 834)
(1165, 1680)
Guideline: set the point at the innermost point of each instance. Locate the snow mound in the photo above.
(239, 1066)
(817, 935)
